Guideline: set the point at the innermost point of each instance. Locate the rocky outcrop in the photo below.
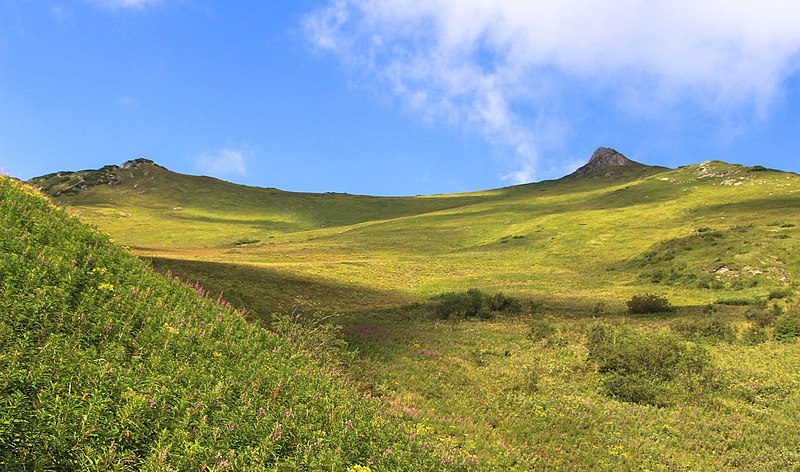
(605, 162)
(70, 183)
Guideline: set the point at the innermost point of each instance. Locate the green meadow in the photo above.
(494, 324)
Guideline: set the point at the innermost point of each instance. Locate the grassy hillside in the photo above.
(556, 375)
(696, 233)
(106, 365)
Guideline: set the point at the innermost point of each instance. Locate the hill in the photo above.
(610, 229)
(106, 365)
(554, 373)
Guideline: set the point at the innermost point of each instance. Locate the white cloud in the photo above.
(478, 62)
(224, 162)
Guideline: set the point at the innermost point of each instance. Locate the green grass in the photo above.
(105, 365)
(519, 391)
(697, 233)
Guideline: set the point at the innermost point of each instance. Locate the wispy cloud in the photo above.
(60, 12)
(224, 162)
(129, 4)
(498, 67)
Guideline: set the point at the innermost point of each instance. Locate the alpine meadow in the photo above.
(399, 236)
(624, 317)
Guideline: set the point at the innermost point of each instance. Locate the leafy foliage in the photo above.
(649, 303)
(539, 330)
(764, 317)
(647, 368)
(475, 304)
(788, 325)
(780, 293)
(711, 329)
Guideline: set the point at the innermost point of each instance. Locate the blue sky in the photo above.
(395, 97)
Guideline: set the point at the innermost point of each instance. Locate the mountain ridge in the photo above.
(605, 163)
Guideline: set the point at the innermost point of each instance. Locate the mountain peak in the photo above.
(605, 162)
(134, 163)
(70, 183)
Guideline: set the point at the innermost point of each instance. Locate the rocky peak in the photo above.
(135, 163)
(605, 162)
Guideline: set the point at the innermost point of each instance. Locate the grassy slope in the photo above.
(569, 244)
(106, 365)
(565, 241)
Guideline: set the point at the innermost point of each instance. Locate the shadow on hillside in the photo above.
(758, 206)
(262, 290)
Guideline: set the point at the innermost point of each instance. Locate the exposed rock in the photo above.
(136, 163)
(711, 169)
(604, 163)
(725, 270)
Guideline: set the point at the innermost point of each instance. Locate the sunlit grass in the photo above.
(577, 249)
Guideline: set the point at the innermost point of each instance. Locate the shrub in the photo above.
(241, 242)
(712, 329)
(788, 325)
(475, 304)
(539, 330)
(782, 224)
(647, 368)
(649, 303)
(763, 317)
(459, 304)
(779, 293)
(737, 301)
(755, 335)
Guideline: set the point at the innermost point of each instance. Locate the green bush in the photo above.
(475, 304)
(539, 330)
(787, 327)
(649, 303)
(764, 317)
(649, 368)
(241, 242)
(780, 293)
(755, 335)
(712, 329)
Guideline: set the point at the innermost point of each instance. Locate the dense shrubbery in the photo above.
(106, 365)
(779, 293)
(787, 326)
(649, 303)
(713, 329)
(647, 367)
(475, 304)
(764, 317)
(539, 330)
